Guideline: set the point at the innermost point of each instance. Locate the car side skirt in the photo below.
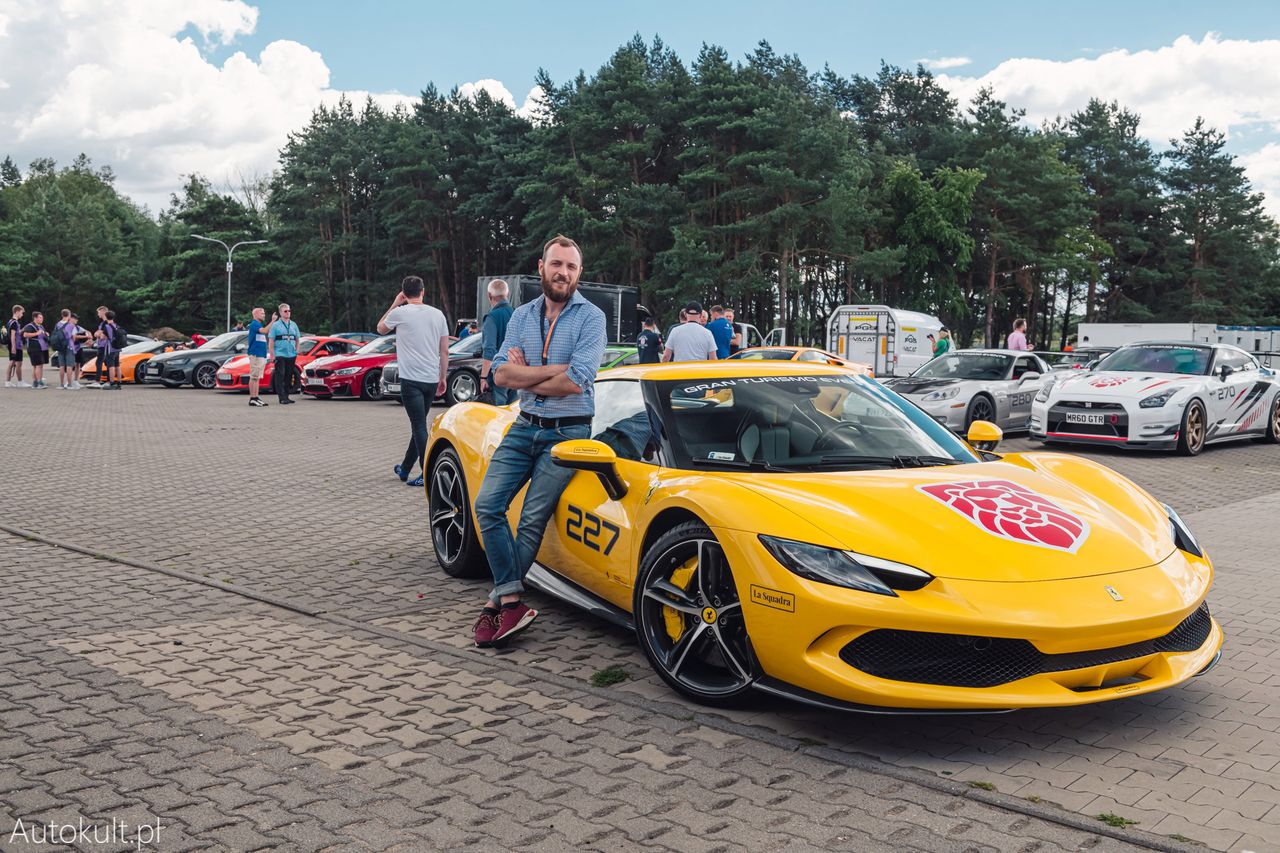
(545, 580)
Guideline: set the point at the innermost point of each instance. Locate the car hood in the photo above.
(1120, 384)
(238, 361)
(1030, 517)
(336, 362)
(912, 385)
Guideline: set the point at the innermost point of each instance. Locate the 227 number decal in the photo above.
(586, 527)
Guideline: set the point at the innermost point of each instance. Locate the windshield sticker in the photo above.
(1013, 512)
(749, 380)
(720, 456)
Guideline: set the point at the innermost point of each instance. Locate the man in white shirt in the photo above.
(690, 341)
(1018, 337)
(422, 348)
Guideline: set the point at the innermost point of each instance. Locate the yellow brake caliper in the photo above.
(681, 577)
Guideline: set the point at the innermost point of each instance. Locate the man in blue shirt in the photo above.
(257, 353)
(495, 332)
(721, 329)
(550, 356)
(282, 345)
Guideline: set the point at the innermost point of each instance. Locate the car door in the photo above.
(1244, 395)
(591, 534)
(1021, 391)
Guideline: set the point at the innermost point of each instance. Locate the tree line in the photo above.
(755, 183)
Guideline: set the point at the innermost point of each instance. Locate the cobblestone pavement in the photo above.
(357, 713)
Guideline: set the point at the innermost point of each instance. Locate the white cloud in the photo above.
(1263, 168)
(1233, 83)
(944, 62)
(129, 84)
(501, 93)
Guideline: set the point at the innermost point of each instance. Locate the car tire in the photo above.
(205, 376)
(453, 532)
(463, 387)
(981, 408)
(1191, 433)
(1273, 423)
(688, 617)
(371, 385)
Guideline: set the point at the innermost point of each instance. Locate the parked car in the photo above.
(813, 355)
(56, 361)
(356, 375)
(963, 386)
(795, 530)
(234, 374)
(360, 337)
(132, 356)
(390, 380)
(197, 367)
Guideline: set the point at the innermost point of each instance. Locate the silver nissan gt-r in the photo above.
(963, 386)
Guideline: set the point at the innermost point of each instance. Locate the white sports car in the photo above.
(1161, 395)
(963, 386)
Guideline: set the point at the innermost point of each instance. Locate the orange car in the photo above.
(810, 354)
(131, 356)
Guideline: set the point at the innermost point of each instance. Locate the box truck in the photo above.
(894, 342)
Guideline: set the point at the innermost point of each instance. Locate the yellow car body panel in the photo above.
(1125, 583)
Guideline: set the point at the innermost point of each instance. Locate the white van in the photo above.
(894, 342)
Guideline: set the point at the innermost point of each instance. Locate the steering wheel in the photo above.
(834, 428)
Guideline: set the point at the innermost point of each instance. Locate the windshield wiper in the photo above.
(899, 461)
(758, 465)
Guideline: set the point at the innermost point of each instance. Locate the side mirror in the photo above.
(984, 435)
(1225, 371)
(1028, 376)
(586, 454)
(241, 348)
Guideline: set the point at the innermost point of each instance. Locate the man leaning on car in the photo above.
(550, 355)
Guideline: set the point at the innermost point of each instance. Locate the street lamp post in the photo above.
(230, 251)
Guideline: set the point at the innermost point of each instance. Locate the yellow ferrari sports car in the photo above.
(802, 530)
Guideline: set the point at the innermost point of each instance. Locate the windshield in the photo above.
(387, 343)
(828, 422)
(468, 346)
(967, 365)
(1159, 358)
(764, 354)
(227, 340)
(611, 355)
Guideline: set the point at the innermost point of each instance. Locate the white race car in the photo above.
(1161, 395)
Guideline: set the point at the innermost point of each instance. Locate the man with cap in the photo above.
(690, 341)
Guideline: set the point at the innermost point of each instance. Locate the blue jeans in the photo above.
(524, 456)
(502, 396)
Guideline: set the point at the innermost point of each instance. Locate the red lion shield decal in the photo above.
(1108, 381)
(1014, 512)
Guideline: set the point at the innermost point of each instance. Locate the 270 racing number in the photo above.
(586, 527)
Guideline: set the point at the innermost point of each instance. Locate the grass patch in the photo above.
(811, 741)
(986, 786)
(1115, 820)
(1033, 799)
(1180, 837)
(609, 676)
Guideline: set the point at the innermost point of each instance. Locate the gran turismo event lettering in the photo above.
(85, 833)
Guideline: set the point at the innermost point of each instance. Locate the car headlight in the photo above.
(177, 362)
(845, 568)
(346, 371)
(1182, 536)
(1155, 401)
(1045, 390)
(940, 395)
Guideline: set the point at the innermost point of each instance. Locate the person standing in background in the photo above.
(690, 341)
(722, 330)
(108, 352)
(63, 342)
(735, 343)
(13, 340)
(649, 343)
(494, 329)
(943, 343)
(1018, 337)
(282, 346)
(37, 346)
(257, 353)
(422, 348)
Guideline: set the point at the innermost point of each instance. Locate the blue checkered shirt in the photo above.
(578, 341)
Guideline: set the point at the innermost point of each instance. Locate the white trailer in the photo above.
(1251, 338)
(894, 342)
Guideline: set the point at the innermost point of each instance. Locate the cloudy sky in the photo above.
(162, 88)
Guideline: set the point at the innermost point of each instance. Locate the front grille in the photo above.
(320, 373)
(391, 375)
(1093, 407)
(956, 660)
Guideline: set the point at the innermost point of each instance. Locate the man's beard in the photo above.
(557, 297)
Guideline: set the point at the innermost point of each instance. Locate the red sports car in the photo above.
(355, 375)
(234, 374)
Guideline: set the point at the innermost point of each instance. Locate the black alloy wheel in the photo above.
(1191, 435)
(371, 385)
(205, 376)
(689, 617)
(463, 387)
(449, 511)
(980, 409)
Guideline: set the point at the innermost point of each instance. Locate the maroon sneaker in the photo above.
(513, 620)
(486, 626)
